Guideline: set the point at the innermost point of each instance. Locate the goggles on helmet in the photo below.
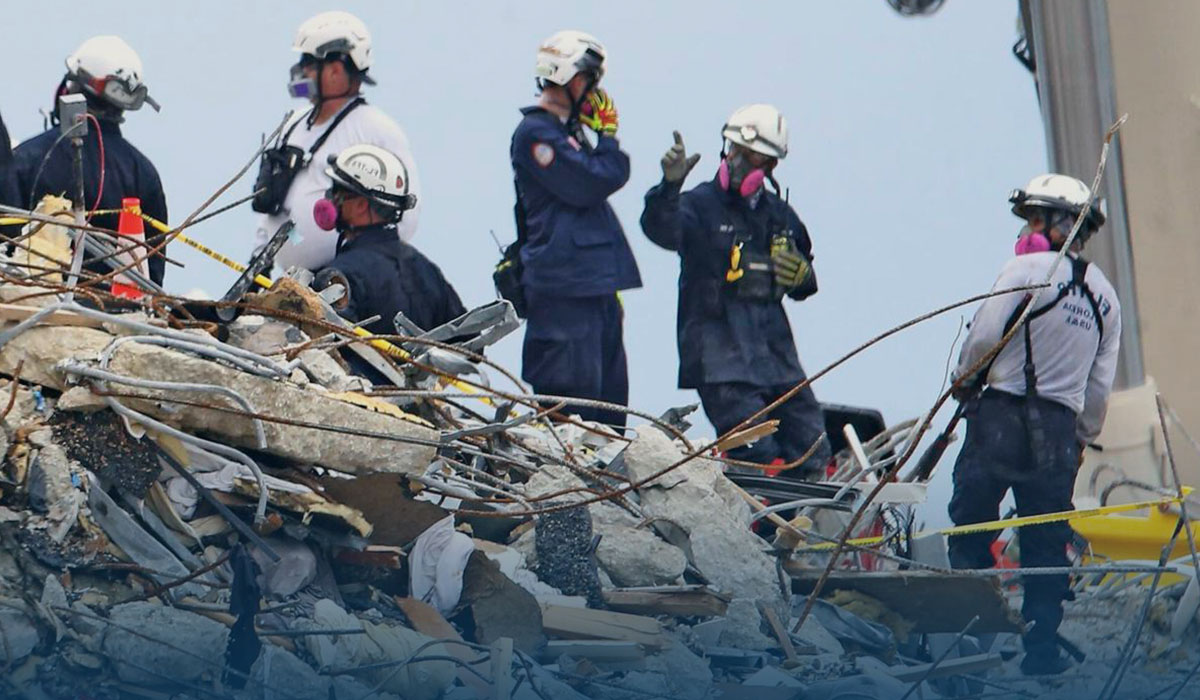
(118, 91)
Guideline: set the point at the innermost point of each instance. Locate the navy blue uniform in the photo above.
(576, 259)
(127, 173)
(384, 275)
(997, 456)
(737, 351)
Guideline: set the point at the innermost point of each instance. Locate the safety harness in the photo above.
(1037, 432)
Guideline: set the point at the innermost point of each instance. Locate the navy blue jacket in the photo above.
(385, 275)
(574, 244)
(127, 173)
(722, 338)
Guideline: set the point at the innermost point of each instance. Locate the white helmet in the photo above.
(568, 53)
(335, 32)
(1059, 193)
(108, 68)
(760, 128)
(374, 173)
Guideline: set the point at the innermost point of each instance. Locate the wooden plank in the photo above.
(755, 432)
(950, 667)
(375, 556)
(933, 602)
(781, 634)
(698, 602)
(17, 312)
(502, 680)
(584, 623)
(429, 622)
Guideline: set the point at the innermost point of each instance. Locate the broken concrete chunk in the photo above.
(18, 632)
(279, 673)
(265, 336)
(185, 645)
(730, 556)
(631, 555)
(500, 608)
(51, 483)
(744, 627)
(42, 348)
(688, 675)
(295, 569)
(379, 643)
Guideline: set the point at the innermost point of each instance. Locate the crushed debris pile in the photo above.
(272, 507)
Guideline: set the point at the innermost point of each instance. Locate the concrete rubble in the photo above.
(233, 510)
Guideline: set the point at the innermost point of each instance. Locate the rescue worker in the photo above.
(108, 73)
(5, 146)
(742, 249)
(368, 197)
(575, 255)
(335, 60)
(1045, 399)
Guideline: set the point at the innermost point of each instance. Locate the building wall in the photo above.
(1156, 69)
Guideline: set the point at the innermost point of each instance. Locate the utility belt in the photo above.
(280, 164)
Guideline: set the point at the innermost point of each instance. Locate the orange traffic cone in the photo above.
(129, 224)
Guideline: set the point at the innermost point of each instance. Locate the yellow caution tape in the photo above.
(994, 525)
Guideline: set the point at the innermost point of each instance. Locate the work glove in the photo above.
(599, 113)
(790, 266)
(676, 163)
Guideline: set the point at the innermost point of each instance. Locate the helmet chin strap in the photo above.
(577, 104)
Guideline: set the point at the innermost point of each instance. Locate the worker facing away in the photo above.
(1045, 397)
(574, 254)
(335, 58)
(108, 73)
(368, 198)
(742, 250)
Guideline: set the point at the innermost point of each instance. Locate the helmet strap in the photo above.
(577, 104)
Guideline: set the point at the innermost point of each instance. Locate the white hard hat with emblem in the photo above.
(374, 173)
(760, 128)
(568, 53)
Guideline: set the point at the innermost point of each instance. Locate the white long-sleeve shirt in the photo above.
(309, 246)
(1074, 365)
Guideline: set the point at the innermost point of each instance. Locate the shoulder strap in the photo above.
(1079, 268)
(519, 214)
(333, 125)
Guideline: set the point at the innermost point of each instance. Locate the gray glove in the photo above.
(676, 163)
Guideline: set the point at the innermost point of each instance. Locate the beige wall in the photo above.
(1155, 50)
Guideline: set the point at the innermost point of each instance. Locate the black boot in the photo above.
(1043, 659)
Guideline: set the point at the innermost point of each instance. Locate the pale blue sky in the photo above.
(906, 137)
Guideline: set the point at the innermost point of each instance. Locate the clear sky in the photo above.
(906, 137)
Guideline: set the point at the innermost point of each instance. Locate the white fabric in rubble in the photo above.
(417, 680)
(436, 565)
(185, 497)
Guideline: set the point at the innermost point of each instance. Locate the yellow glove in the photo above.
(599, 113)
(791, 267)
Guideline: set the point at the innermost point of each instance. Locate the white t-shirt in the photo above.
(309, 246)
(1074, 365)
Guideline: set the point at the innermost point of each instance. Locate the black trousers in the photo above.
(996, 456)
(801, 422)
(574, 346)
